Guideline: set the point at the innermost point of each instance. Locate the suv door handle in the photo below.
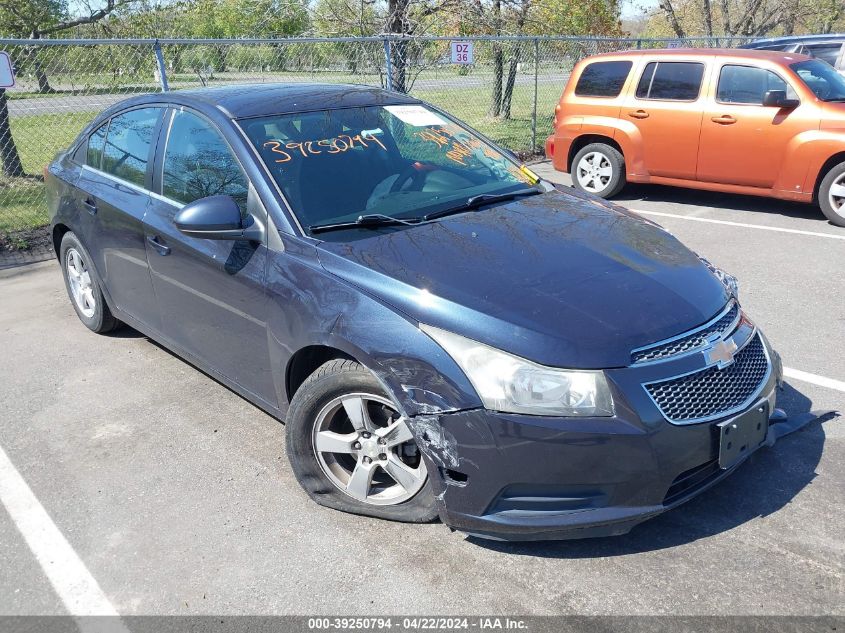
(638, 114)
(90, 204)
(156, 244)
(725, 119)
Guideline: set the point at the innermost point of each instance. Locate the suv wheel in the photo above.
(832, 195)
(599, 169)
(83, 287)
(351, 450)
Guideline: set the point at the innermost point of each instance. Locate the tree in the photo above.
(12, 166)
(36, 19)
(685, 18)
(539, 17)
(401, 18)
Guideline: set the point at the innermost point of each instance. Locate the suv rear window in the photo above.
(671, 81)
(603, 79)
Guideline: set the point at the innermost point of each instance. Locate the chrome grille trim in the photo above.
(685, 383)
(720, 326)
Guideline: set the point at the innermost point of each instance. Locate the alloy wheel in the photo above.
(81, 286)
(366, 449)
(594, 172)
(836, 195)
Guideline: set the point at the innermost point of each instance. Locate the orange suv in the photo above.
(739, 121)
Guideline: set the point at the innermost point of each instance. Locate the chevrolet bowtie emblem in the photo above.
(720, 353)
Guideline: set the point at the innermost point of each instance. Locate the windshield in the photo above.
(822, 79)
(402, 161)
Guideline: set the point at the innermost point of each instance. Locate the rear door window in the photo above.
(671, 81)
(96, 143)
(603, 79)
(127, 147)
(747, 85)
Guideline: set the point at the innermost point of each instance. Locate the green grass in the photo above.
(38, 139)
(472, 105)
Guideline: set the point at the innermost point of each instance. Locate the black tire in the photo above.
(616, 161)
(99, 319)
(329, 382)
(833, 212)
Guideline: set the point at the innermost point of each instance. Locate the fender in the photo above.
(625, 133)
(806, 154)
(329, 311)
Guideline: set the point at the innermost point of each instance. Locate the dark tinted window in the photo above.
(96, 142)
(671, 81)
(826, 52)
(602, 79)
(128, 144)
(199, 163)
(746, 84)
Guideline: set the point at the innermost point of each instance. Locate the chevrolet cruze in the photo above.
(442, 332)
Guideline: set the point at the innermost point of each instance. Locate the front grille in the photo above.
(713, 392)
(691, 341)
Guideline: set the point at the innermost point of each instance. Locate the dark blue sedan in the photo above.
(443, 332)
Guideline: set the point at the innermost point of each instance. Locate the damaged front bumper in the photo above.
(517, 477)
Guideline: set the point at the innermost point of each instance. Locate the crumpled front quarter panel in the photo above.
(309, 306)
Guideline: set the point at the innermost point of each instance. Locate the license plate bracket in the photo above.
(739, 436)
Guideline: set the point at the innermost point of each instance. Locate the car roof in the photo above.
(243, 101)
(797, 39)
(732, 53)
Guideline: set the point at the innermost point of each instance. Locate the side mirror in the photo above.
(777, 99)
(217, 218)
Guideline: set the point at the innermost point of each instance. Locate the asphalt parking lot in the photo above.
(174, 496)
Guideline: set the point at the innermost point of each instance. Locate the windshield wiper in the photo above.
(371, 220)
(480, 200)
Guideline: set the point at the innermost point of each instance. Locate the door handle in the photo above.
(638, 114)
(156, 244)
(90, 205)
(725, 119)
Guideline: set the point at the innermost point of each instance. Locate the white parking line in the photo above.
(739, 224)
(814, 379)
(74, 584)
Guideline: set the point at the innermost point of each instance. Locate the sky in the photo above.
(634, 8)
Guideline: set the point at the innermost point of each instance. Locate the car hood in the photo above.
(557, 278)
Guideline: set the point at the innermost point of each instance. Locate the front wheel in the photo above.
(351, 450)
(599, 169)
(831, 195)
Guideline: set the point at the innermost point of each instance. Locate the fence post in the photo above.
(536, 75)
(388, 65)
(162, 71)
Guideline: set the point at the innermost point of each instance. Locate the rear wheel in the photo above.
(83, 286)
(351, 449)
(831, 195)
(599, 169)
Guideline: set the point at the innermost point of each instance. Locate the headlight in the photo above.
(729, 281)
(508, 383)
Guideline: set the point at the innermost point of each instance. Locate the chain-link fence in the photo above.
(508, 91)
